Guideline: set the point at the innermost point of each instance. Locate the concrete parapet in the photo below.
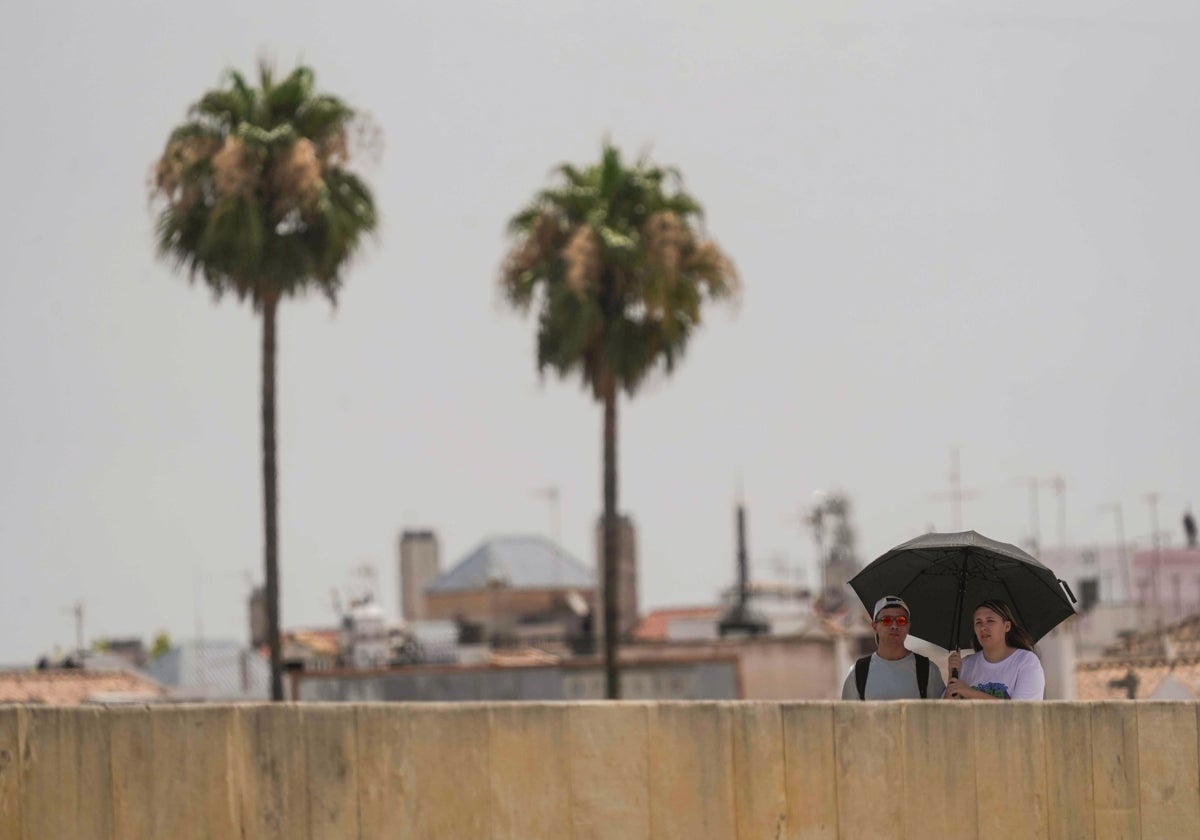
(589, 771)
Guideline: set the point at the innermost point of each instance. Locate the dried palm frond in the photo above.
(665, 238)
(171, 180)
(235, 169)
(582, 257)
(334, 151)
(296, 177)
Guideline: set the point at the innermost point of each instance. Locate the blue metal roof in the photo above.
(515, 563)
(213, 669)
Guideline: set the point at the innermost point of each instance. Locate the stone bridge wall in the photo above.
(628, 771)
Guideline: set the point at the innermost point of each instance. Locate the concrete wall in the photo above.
(589, 771)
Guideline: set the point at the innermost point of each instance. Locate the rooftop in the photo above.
(522, 562)
(73, 686)
(654, 625)
(1179, 639)
(1159, 678)
(213, 670)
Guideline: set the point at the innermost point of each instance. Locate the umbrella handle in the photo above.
(1067, 587)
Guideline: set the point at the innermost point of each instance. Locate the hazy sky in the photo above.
(956, 226)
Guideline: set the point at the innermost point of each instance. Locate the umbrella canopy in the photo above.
(943, 577)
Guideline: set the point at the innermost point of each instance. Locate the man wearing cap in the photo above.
(893, 672)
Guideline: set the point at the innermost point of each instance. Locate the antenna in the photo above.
(1122, 557)
(956, 496)
(198, 592)
(77, 611)
(1156, 540)
(1035, 528)
(369, 574)
(1059, 485)
(816, 520)
(552, 496)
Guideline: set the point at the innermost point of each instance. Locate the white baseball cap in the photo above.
(889, 601)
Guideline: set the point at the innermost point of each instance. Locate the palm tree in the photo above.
(255, 198)
(616, 263)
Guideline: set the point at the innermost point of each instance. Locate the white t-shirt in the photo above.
(894, 679)
(1018, 676)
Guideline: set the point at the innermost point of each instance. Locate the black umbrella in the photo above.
(940, 575)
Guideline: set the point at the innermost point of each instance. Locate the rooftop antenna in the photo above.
(816, 520)
(370, 577)
(198, 618)
(1035, 528)
(740, 620)
(1059, 485)
(956, 496)
(77, 612)
(552, 496)
(1156, 540)
(1122, 556)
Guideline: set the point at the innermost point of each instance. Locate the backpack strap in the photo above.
(861, 668)
(922, 674)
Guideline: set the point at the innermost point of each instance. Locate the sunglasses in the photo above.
(889, 620)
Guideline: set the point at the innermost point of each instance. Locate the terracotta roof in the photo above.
(1094, 680)
(70, 687)
(321, 642)
(653, 626)
(522, 657)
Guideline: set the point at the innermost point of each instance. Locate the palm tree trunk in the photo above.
(270, 500)
(612, 678)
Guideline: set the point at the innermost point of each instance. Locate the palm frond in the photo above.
(284, 100)
(195, 129)
(320, 115)
(224, 106)
(636, 308)
(233, 238)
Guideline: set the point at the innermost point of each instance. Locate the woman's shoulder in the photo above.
(1021, 656)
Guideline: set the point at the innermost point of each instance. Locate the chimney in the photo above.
(420, 564)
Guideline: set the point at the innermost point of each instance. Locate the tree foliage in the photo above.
(254, 191)
(616, 263)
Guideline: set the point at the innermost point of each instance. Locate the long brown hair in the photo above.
(1016, 637)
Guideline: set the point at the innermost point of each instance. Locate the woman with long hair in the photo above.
(1004, 666)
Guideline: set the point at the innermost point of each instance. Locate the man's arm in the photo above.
(849, 689)
(937, 686)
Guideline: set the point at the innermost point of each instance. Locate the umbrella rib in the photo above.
(1012, 602)
(1056, 588)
